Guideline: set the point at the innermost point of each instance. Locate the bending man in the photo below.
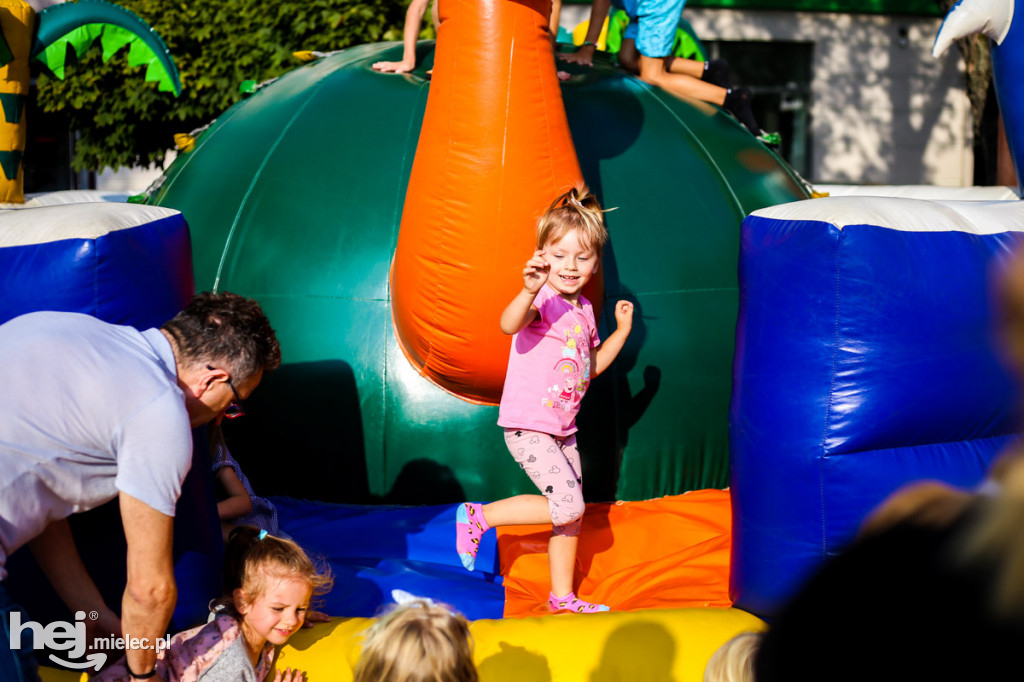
(90, 411)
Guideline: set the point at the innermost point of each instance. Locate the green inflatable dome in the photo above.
(294, 197)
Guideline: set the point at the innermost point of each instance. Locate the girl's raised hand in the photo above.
(536, 272)
(624, 315)
(289, 675)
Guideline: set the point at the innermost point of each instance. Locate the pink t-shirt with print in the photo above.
(549, 366)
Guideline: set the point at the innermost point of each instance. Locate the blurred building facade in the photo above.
(852, 86)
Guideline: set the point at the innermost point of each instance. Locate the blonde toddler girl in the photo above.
(555, 353)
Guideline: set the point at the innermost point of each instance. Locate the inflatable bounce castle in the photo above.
(793, 360)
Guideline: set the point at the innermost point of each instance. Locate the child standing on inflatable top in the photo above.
(555, 352)
(268, 584)
(647, 51)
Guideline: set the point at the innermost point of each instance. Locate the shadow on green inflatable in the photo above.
(294, 197)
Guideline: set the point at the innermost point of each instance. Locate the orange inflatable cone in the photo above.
(494, 151)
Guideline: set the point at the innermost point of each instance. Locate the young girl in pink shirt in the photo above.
(555, 352)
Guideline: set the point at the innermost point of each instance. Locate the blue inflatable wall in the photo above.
(864, 360)
(126, 264)
(123, 263)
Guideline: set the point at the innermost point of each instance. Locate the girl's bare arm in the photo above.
(604, 354)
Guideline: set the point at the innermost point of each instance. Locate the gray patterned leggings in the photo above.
(553, 464)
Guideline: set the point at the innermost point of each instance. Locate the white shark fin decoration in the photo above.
(991, 17)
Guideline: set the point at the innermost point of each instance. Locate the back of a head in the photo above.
(734, 660)
(1008, 297)
(417, 642)
(898, 604)
(225, 329)
(995, 539)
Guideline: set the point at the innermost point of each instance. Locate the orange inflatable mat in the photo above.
(672, 552)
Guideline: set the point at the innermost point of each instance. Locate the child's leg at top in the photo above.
(737, 101)
(657, 21)
(652, 70)
(714, 71)
(629, 58)
(656, 31)
(686, 67)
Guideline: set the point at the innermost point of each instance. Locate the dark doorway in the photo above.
(779, 74)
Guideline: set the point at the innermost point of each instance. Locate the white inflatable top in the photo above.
(42, 224)
(67, 196)
(997, 193)
(908, 215)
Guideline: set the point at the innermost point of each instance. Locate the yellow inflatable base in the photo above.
(669, 644)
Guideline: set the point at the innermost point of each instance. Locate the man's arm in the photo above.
(55, 552)
(151, 593)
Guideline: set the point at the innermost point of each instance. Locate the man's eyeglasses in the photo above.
(235, 409)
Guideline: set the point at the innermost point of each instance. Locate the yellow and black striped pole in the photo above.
(17, 23)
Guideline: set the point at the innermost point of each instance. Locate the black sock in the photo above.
(737, 102)
(716, 72)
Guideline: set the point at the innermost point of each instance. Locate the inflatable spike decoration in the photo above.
(493, 153)
(77, 25)
(184, 142)
(80, 24)
(309, 55)
(995, 19)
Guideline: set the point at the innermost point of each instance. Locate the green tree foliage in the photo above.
(121, 121)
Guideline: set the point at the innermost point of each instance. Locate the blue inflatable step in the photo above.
(376, 549)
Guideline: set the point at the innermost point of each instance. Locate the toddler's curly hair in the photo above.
(576, 209)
